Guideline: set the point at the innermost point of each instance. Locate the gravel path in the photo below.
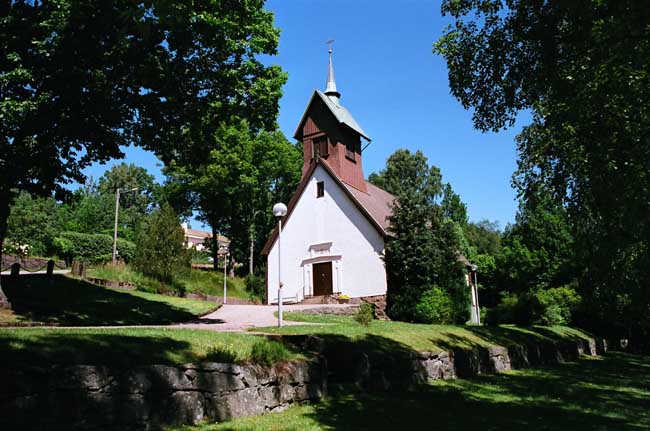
(241, 317)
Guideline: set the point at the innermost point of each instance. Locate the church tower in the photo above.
(330, 134)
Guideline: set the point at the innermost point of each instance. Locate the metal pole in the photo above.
(117, 209)
(225, 264)
(279, 274)
(478, 307)
(250, 257)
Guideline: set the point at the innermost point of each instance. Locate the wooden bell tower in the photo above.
(331, 135)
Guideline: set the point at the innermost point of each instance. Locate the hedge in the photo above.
(92, 247)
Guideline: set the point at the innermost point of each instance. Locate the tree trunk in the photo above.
(215, 248)
(4, 215)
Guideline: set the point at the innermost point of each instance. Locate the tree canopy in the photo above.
(80, 79)
(235, 186)
(582, 68)
(421, 249)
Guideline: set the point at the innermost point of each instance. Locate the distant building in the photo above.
(198, 239)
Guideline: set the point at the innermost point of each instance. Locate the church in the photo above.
(333, 232)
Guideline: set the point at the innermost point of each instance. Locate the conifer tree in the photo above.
(161, 251)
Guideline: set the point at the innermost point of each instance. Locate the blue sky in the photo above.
(396, 88)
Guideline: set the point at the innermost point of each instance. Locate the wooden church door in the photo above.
(322, 278)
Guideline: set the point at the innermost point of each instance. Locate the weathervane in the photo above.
(330, 43)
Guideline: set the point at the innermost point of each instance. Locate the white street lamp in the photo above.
(117, 209)
(279, 211)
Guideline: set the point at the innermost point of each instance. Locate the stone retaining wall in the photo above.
(84, 397)
(414, 368)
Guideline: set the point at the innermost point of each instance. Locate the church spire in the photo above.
(330, 89)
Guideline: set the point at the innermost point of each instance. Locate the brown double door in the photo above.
(322, 278)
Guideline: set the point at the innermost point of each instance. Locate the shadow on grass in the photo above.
(92, 349)
(71, 302)
(591, 394)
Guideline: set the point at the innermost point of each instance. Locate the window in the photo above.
(319, 146)
(349, 151)
(320, 189)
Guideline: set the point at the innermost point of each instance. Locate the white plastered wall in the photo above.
(327, 229)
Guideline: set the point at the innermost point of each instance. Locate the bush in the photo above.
(558, 305)
(435, 306)
(91, 247)
(256, 286)
(538, 307)
(365, 314)
(161, 251)
(266, 352)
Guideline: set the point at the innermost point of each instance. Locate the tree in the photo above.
(581, 68)
(237, 184)
(453, 208)
(134, 204)
(421, 249)
(80, 79)
(160, 251)
(34, 221)
(484, 236)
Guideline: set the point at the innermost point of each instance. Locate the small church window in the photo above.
(320, 146)
(349, 151)
(320, 189)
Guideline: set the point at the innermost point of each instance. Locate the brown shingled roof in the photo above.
(377, 202)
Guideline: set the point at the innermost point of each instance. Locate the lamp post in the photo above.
(117, 210)
(225, 265)
(476, 310)
(252, 242)
(279, 211)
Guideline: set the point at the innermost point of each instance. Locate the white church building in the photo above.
(333, 233)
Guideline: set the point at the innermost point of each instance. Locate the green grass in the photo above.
(395, 336)
(194, 281)
(71, 302)
(135, 346)
(609, 393)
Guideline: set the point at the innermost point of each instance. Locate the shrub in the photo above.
(161, 252)
(256, 286)
(267, 352)
(91, 247)
(435, 306)
(365, 314)
(558, 305)
(539, 307)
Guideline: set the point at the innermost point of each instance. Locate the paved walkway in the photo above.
(241, 317)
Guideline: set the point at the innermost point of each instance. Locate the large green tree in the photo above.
(237, 184)
(80, 78)
(582, 68)
(421, 249)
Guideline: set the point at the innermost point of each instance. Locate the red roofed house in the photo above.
(198, 239)
(333, 233)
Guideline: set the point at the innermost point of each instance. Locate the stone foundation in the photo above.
(83, 397)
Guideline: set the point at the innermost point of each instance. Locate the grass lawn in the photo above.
(195, 281)
(400, 336)
(72, 302)
(608, 393)
(134, 346)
